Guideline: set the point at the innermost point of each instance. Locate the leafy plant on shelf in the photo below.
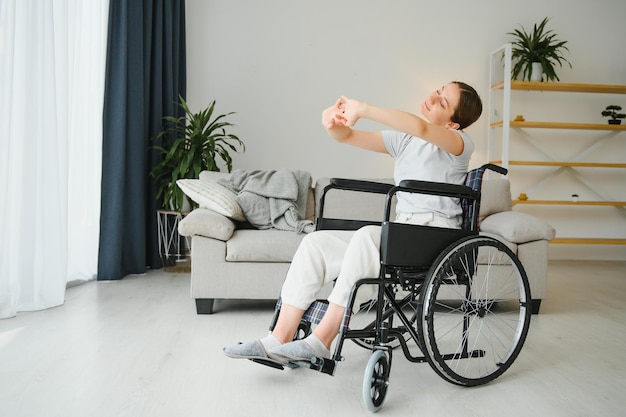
(540, 45)
(612, 111)
(191, 144)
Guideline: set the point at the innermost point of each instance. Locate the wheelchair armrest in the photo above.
(360, 185)
(343, 184)
(438, 188)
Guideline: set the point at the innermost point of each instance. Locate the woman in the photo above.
(435, 149)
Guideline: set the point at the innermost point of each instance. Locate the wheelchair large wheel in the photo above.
(376, 380)
(476, 311)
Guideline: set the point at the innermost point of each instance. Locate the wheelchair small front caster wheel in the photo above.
(376, 380)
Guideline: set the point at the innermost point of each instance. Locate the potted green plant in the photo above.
(612, 112)
(540, 47)
(190, 144)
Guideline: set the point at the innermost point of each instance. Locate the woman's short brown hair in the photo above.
(470, 106)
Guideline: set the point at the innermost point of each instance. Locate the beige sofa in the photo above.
(232, 261)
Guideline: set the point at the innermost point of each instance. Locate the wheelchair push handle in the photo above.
(496, 168)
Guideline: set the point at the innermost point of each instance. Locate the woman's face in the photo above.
(440, 105)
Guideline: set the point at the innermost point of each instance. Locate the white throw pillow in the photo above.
(204, 222)
(517, 227)
(212, 196)
(495, 197)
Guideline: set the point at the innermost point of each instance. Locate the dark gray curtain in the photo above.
(145, 74)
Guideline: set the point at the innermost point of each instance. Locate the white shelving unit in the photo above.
(501, 124)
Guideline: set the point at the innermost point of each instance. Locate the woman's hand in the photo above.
(345, 112)
(338, 119)
(350, 111)
(329, 115)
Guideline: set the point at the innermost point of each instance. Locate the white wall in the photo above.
(279, 63)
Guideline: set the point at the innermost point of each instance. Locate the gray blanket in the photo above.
(272, 199)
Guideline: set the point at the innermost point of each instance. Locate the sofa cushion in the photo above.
(517, 227)
(205, 222)
(269, 245)
(495, 197)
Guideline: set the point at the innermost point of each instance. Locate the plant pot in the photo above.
(615, 122)
(536, 71)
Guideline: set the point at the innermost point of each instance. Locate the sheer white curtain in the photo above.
(52, 65)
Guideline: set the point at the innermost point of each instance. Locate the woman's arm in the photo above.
(372, 141)
(444, 137)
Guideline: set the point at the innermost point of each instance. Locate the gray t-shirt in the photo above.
(417, 159)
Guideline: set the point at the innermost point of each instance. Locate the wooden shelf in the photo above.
(502, 125)
(587, 241)
(571, 203)
(565, 164)
(561, 125)
(563, 87)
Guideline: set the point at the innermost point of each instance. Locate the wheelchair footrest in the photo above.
(269, 362)
(323, 365)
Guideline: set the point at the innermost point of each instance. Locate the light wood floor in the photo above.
(137, 348)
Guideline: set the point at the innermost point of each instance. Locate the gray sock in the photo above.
(317, 346)
(270, 342)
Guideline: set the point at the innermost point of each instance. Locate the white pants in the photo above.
(346, 255)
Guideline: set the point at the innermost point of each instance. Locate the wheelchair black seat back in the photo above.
(460, 299)
(400, 248)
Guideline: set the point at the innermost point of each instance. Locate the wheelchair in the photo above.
(450, 297)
